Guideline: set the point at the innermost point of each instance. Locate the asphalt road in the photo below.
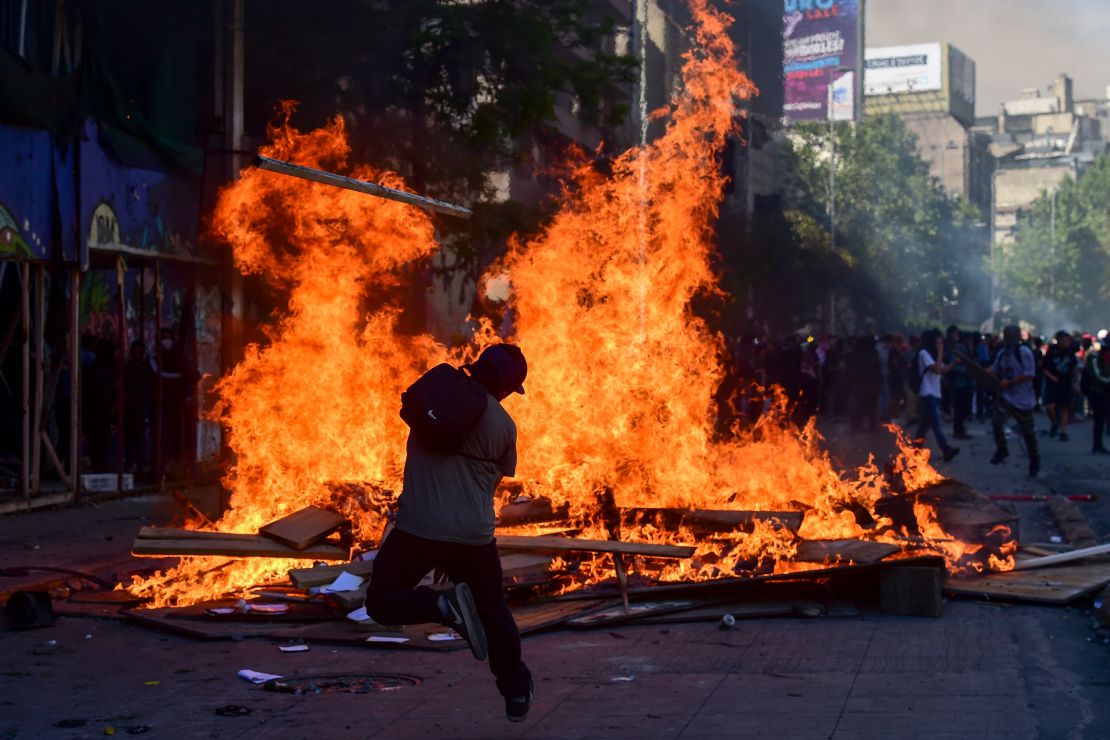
(982, 670)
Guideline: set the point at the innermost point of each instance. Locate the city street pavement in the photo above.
(982, 670)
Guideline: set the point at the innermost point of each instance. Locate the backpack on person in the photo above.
(443, 406)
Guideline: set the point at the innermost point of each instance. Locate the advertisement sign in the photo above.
(896, 70)
(821, 42)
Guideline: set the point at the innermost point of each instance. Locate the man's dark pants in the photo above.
(392, 597)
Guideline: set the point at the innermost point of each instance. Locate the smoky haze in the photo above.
(1015, 44)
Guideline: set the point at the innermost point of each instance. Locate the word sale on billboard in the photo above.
(813, 9)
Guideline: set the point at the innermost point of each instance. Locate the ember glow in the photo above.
(621, 378)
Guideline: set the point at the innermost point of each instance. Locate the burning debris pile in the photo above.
(617, 437)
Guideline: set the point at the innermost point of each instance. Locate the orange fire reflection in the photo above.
(622, 372)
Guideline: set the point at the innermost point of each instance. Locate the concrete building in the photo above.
(932, 88)
(1036, 141)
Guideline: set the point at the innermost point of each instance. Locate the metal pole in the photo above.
(121, 341)
(75, 382)
(40, 342)
(832, 198)
(361, 186)
(156, 431)
(25, 473)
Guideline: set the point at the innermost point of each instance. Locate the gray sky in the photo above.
(1015, 44)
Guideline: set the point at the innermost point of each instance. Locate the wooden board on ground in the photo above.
(322, 575)
(166, 541)
(637, 610)
(1064, 557)
(346, 632)
(303, 528)
(541, 615)
(570, 544)
(1054, 586)
(862, 552)
(192, 622)
(712, 520)
(739, 610)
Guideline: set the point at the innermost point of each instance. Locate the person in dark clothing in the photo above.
(172, 411)
(863, 367)
(1096, 386)
(99, 398)
(136, 405)
(961, 387)
(1061, 372)
(445, 520)
(896, 374)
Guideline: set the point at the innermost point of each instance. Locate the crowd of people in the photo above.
(929, 381)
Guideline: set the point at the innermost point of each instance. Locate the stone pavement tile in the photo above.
(758, 723)
(775, 692)
(927, 704)
(928, 683)
(567, 722)
(983, 723)
(914, 645)
(656, 693)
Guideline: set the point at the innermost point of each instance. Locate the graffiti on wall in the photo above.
(11, 242)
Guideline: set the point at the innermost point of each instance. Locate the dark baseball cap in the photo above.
(504, 366)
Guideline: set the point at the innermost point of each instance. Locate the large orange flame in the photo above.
(622, 372)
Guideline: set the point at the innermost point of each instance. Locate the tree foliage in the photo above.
(1056, 274)
(906, 251)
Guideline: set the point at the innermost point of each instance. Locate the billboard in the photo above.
(821, 46)
(895, 70)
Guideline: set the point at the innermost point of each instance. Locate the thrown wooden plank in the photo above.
(1052, 586)
(861, 552)
(1064, 557)
(322, 575)
(570, 544)
(977, 372)
(303, 528)
(155, 541)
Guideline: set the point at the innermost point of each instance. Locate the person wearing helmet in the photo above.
(445, 521)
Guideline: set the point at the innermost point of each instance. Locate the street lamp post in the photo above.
(832, 179)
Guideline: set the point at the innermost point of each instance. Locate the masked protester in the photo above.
(445, 521)
(1015, 369)
(1061, 370)
(1096, 386)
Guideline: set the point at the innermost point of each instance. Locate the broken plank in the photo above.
(1064, 557)
(712, 520)
(303, 528)
(621, 613)
(243, 546)
(1052, 586)
(322, 575)
(862, 552)
(543, 615)
(570, 544)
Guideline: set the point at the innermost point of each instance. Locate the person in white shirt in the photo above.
(930, 368)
